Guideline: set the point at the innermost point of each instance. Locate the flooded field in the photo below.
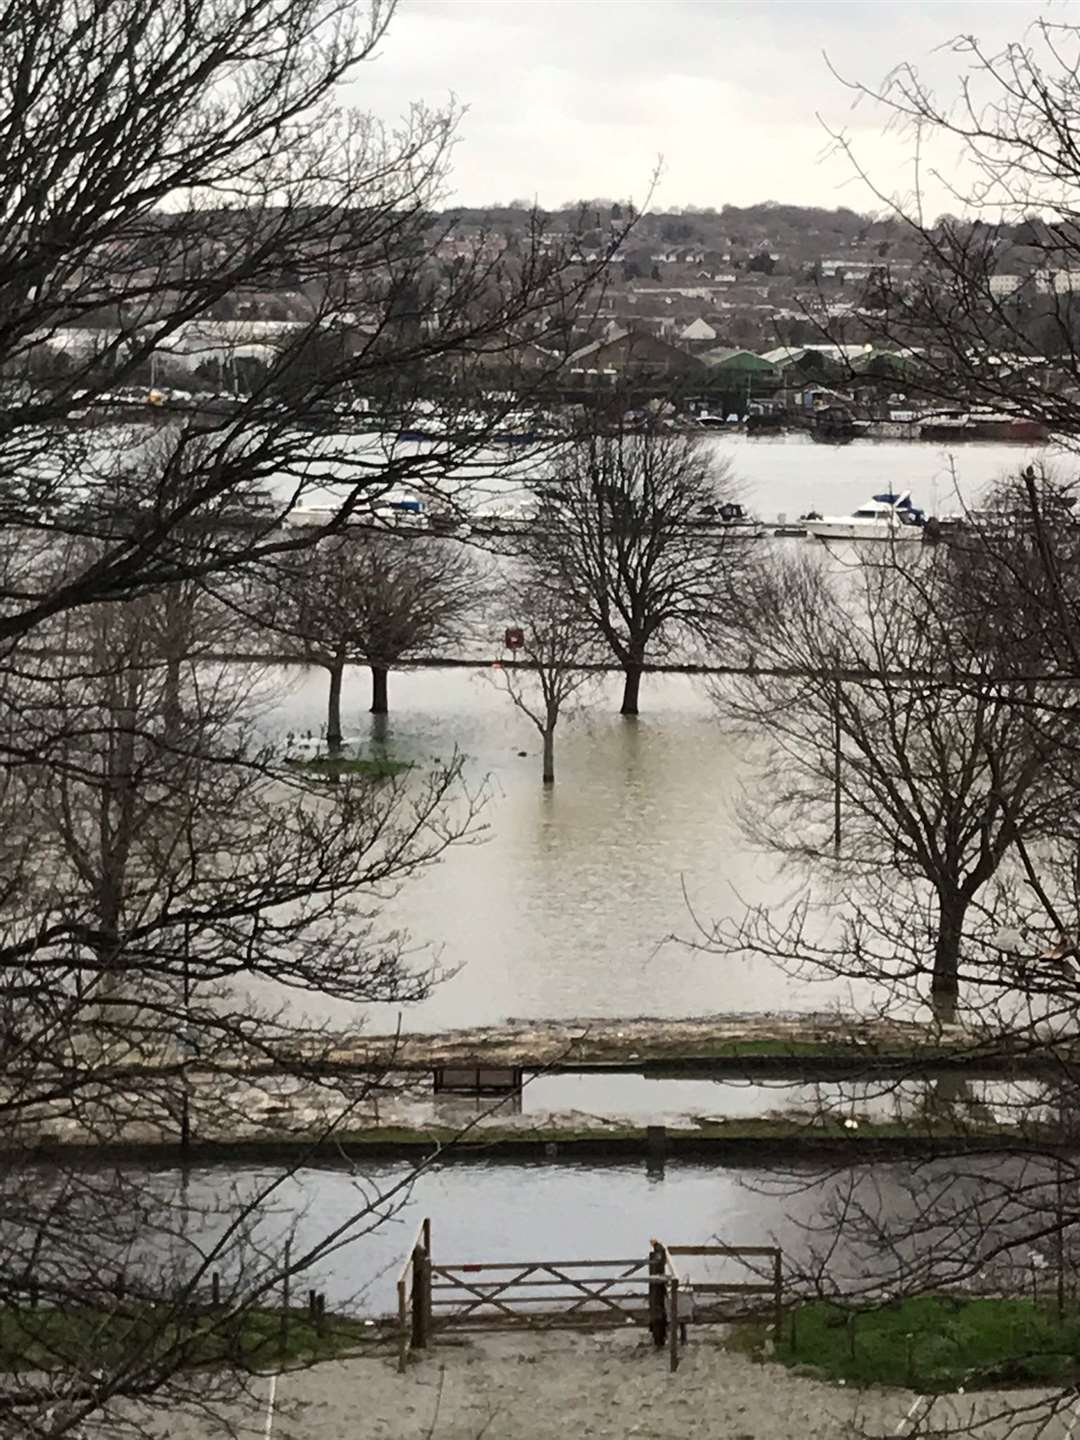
(576, 902)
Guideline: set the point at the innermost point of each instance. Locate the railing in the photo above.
(770, 1284)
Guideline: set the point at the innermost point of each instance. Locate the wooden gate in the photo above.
(540, 1294)
(576, 1294)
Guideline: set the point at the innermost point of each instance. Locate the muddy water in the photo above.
(569, 904)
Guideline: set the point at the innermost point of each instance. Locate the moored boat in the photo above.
(885, 517)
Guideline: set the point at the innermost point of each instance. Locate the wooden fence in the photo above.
(708, 1301)
(578, 1294)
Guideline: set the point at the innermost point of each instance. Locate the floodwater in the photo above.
(577, 902)
(493, 1211)
(788, 475)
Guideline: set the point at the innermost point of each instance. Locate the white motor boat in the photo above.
(885, 517)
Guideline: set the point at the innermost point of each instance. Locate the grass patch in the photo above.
(53, 1339)
(380, 767)
(928, 1343)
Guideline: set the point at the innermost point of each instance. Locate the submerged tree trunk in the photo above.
(333, 712)
(379, 703)
(945, 985)
(631, 687)
(549, 755)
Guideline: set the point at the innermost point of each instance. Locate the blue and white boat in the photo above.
(885, 517)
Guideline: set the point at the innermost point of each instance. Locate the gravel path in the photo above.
(561, 1387)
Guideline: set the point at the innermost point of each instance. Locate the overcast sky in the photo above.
(577, 98)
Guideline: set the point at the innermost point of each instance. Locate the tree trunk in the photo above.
(171, 700)
(549, 755)
(379, 704)
(945, 986)
(631, 687)
(333, 713)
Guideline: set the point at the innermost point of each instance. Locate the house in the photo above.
(634, 352)
(698, 332)
(745, 362)
(1002, 286)
(1057, 282)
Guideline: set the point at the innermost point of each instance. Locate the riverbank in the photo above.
(642, 1043)
(811, 1046)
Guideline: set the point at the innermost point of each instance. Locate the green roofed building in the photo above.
(739, 362)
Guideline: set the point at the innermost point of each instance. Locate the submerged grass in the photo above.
(380, 767)
(928, 1343)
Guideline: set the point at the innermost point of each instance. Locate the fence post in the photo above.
(215, 1289)
(320, 1313)
(421, 1289)
(403, 1327)
(778, 1298)
(33, 1288)
(673, 1324)
(657, 1321)
(285, 1300)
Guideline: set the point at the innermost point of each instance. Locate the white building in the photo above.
(698, 332)
(1003, 285)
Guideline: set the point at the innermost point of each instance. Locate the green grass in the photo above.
(380, 767)
(50, 1339)
(929, 1343)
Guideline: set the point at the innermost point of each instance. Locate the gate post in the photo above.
(778, 1298)
(673, 1324)
(421, 1298)
(657, 1311)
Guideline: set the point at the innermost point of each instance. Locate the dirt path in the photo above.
(606, 1386)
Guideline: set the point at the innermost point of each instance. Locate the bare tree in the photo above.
(160, 170)
(630, 530)
(990, 313)
(164, 865)
(371, 598)
(234, 172)
(899, 768)
(987, 315)
(546, 672)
